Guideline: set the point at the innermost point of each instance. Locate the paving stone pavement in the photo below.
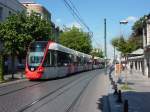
(138, 96)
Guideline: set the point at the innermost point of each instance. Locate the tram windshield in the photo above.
(35, 58)
(36, 53)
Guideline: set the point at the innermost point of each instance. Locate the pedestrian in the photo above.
(131, 67)
(123, 66)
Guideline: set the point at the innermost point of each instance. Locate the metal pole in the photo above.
(145, 43)
(105, 34)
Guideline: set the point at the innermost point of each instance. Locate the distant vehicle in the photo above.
(98, 62)
(47, 59)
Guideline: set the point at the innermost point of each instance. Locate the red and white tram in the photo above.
(47, 59)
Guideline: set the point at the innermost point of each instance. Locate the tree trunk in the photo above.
(1, 67)
(12, 65)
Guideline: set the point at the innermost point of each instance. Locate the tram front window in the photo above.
(36, 53)
(35, 58)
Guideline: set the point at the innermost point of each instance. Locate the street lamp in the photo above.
(124, 22)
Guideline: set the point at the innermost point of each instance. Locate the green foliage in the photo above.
(115, 41)
(134, 42)
(20, 29)
(138, 26)
(137, 33)
(76, 39)
(126, 87)
(97, 53)
(123, 45)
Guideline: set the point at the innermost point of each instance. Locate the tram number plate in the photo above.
(32, 69)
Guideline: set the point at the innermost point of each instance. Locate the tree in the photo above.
(76, 39)
(137, 28)
(114, 43)
(123, 45)
(97, 52)
(19, 30)
(137, 32)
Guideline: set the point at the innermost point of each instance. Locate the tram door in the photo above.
(50, 64)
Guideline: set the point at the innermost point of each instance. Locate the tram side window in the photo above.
(50, 59)
(63, 59)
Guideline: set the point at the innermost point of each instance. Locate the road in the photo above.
(82, 92)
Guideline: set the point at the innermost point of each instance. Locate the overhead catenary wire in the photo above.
(75, 13)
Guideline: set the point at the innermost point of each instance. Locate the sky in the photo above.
(93, 13)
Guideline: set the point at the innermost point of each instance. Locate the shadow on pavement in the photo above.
(137, 102)
(100, 103)
(103, 104)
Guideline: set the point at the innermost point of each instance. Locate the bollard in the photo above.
(112, 82)
(125, 106)
(116, 90)
(119, 100)
(110, 78)
(113, 85)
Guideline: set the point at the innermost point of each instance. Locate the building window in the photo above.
(9, 12)
(1, 13)
(39, 14)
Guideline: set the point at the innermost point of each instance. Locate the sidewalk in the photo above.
(18, 77)
(138, 95)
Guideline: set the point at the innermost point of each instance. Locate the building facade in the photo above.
(146, 45)
(45, 14)
(142, 63)
(7, 7)
(39, 9)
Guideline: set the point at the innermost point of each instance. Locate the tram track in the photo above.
(56, 90)
(8, 91)
(78, 97)
(16, 90)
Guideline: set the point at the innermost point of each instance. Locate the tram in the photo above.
(47, 59)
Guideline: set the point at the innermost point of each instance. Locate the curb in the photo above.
(12, 82)
(113, 105)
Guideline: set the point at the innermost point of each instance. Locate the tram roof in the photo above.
(58, 47)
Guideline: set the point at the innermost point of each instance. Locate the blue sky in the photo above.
(94, 11)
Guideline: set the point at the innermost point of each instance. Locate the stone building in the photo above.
(38, 8)
(146, 45)
(44, 13)
(141, 61)
(7, 7)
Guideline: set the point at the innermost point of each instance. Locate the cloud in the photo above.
(74, 24)
(131, 19)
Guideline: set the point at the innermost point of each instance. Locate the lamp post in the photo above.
(124, 22)
(105, 46)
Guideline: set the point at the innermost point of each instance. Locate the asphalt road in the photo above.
(82, 92)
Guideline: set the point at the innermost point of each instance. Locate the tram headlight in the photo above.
(40, 69)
